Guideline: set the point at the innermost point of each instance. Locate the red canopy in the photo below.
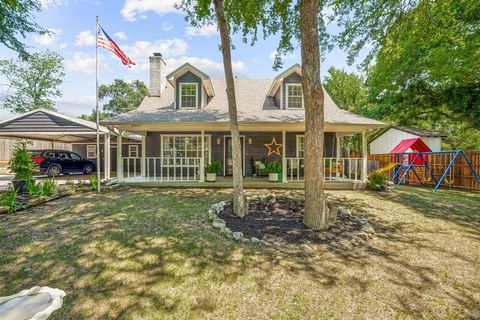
(416, 144)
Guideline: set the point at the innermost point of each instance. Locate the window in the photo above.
(294, 96)
(91, 151)
(75, 156)
(133, 151)
(186, 146)
(300, 146)
(188, 95)
(63, 155)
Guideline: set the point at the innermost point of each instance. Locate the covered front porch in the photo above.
(179, 157)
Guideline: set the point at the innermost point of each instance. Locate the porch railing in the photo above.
(161, 168)
(336, 169)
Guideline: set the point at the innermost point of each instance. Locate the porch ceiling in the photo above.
(141, 128)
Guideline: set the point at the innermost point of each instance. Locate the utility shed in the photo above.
(384, 142)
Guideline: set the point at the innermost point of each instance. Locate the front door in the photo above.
(228, 155)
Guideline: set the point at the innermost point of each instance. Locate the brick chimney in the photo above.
(157, 76)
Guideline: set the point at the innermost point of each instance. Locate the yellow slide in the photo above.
(388, 167)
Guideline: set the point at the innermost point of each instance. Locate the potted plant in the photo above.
(274, 168)
(21, 165)
(213, 169)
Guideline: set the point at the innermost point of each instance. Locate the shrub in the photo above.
(33, 188)
(94, 182)
(8, 199)
(21, 163)
(377, 181)
(215, 166)
(48, 187)
(274, 167)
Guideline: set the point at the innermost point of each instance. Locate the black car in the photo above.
(56, 162)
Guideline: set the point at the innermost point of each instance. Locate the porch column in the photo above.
(284, 159)
(365, 156)
(106, 156)
(202, 159)
(338, 152)
(144, 152)
(119, 157)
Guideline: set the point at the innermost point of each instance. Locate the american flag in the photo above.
(104, 41)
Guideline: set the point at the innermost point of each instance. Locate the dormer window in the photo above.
(294, 96)
(188, 96)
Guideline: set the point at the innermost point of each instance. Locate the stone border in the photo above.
(366, 233)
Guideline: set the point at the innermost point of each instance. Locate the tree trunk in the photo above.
(316, 212)
(239, 206)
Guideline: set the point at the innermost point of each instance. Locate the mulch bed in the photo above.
(280, 219)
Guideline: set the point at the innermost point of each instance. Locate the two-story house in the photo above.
(184, 123)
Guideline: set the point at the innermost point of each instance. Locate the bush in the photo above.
(94, 182)
(8, 199)
(274, 167)
(33, 188)
(215, 166)
(377, 181)
(48, 187)
(21, 163)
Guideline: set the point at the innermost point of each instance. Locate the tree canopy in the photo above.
(122, 96)
(35, 81)
(17, 21)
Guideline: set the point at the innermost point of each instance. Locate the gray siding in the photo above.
(189, 78)
(293, 78)
(81, 149)
(44, 122)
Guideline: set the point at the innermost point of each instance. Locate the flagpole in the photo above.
(96, 108)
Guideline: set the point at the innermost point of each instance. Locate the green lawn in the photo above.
(149, 254)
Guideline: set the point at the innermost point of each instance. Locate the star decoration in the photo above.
(273, 147)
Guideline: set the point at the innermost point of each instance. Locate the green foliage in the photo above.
(17, 21)
(36, 81)
(21, 163)
(93, 180)
(274, 167)
(8, 199)
(215, 166)
(377, 181)
(33, 188)
(48, 187)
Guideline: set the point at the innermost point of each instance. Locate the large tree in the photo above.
(229, 16)
(35, 81)
(122, 96)
(17, 21)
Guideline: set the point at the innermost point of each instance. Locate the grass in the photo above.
(148, 254)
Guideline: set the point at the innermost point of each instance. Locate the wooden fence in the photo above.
(6, 147)
(460, 176)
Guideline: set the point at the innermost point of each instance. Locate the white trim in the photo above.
(180, 85)
(225, 154)
(297, 143)
(281, 98)
(287, 85)
(130, 151)
(279, 79)
(209, 143)
(94, 152)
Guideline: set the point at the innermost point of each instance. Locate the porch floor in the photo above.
(249, 183)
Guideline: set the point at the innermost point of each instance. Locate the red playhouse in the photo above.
(406, 150)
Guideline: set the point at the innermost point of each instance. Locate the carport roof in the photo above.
(42, 124)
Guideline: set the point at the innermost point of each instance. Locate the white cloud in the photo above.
(48, 3)
(210, 67)
(133, 7)
(47, 39)
(83, 62)
(85, 38)
(120, 35)
(141, 50)
(167, 26)
(204, 31)
(63, 45)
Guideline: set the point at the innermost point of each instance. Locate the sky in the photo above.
(141, 27)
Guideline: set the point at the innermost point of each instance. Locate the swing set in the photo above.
(414, 156)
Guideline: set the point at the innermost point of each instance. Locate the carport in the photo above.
(46, 125)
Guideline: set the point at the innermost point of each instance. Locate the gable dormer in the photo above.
(192, 87)
(286, 89)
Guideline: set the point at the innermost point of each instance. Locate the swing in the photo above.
(452, 178)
